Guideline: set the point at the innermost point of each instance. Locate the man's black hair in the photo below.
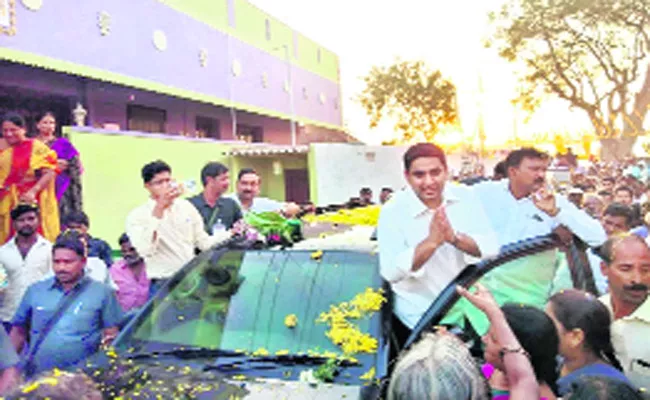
(154, 168)
(212, 170)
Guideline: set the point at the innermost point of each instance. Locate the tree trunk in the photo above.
(619, 148)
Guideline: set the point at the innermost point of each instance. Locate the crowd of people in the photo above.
(542, 339)
(62, 296)
(66, 297)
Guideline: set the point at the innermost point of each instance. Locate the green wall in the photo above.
(272, 185)
(112, 185)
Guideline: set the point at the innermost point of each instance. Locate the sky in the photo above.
(447, 35)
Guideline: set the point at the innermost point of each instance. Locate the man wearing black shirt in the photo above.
(218, 212)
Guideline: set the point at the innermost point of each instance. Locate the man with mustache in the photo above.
(130, 276)
(523, 207)
(90, 318)
(248, 196)
(27, 258)
(626, 264)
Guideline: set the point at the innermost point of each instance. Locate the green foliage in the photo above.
(419, 99)
(327, 371)
(272, 223)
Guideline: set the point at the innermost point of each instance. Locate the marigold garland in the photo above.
(367, 216)
(347, 335)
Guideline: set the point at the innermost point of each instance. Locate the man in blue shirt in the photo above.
(9, 375)
(90, 320)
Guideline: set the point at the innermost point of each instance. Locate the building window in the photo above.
(146, 119)
(250, 134)
(318, 55)
(267, 25)
(207, 127)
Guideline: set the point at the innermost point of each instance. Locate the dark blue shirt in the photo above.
(564, 383)
(100, 249)
(78, 332)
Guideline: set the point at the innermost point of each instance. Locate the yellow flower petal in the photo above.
(291, 321)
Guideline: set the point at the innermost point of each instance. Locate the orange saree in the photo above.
(19, 167)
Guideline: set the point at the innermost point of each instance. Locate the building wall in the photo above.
(107, 103)
(339, 170)
(112, 185)
(127, 55)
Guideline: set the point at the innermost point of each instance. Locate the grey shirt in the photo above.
(8, 356)
(228, 211)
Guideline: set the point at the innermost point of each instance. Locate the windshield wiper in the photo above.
(272, 361)
(186, 353)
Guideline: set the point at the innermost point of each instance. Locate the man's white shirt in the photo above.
(259, 204)
(403, 224)
(514, 219)
(22, 272)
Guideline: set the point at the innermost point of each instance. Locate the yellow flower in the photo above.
(317, 255)
(261, 352)
(368, 216)
(368, 376)
(291, 321)
(239, 377)
(347, 335)
(282, 352)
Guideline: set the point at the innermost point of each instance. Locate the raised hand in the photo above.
(544, 199)
(440, 230)
(481, 299)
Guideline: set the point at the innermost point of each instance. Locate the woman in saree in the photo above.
(27, 174)
(68, 181)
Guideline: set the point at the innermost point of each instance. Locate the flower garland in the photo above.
(367, 216)
(344, 333)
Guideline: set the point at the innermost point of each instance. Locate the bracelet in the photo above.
(505, 351)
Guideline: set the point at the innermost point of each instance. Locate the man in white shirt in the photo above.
(425, 234)
(247, 196)
(167, 229)
(27, 258)
(627, 268)
(522, 207)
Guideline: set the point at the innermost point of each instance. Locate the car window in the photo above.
(523, 273)
(245, 308)
(527, 279)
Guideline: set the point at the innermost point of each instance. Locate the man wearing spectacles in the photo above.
(166, 229)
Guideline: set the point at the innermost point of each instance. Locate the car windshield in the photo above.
(238, 300)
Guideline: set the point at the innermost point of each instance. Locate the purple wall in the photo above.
(68, 30)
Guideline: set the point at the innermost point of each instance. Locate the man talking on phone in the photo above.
(166, 229)
(523, 207)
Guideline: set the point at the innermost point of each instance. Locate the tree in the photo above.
(594, 54)
(420, 100)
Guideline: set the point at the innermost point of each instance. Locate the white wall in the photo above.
(342, 169)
